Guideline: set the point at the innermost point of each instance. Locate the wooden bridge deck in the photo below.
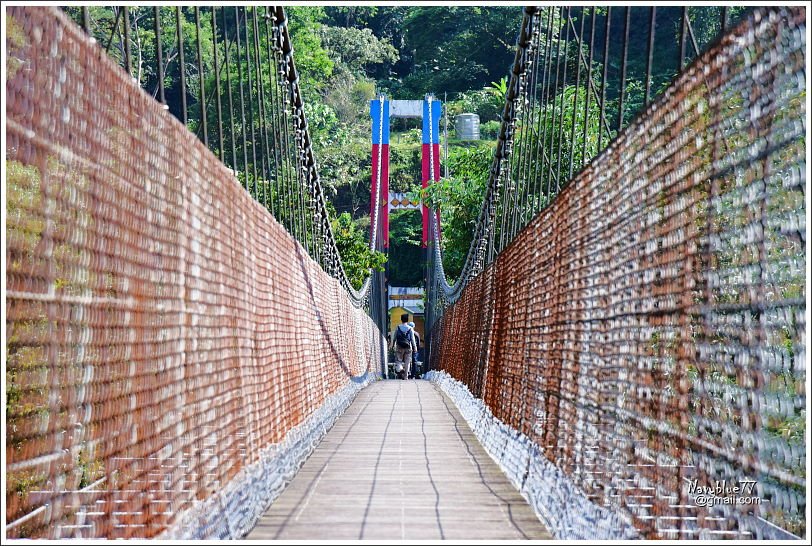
(401, 463)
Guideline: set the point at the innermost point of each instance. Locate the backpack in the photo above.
(402, 338)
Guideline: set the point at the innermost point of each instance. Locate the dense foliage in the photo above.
(459, 198)
(354, 249)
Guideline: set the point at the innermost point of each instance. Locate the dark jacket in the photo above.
(410, 334)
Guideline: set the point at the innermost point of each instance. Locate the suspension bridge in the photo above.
(186, 356)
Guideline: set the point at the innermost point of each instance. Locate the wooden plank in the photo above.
(401, 463)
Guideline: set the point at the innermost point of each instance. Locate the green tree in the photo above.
(454, 49)
(312, 61)
(106, 26)
(406, 262)
(354, 249)
(357, 49)
(459, 199)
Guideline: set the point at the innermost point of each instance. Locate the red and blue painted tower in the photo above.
(431, 151)
(379, 110)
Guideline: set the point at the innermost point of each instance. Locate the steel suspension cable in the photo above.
(623, 69)
(509, 186)
(528, 201)
(590, 81)
(588, 91)
(301, 180)
(280, 133)
(607, 28)
(549, 180)
(484, 241)
(263, 131)
(561, 114)
(273, 90)
(220, 150)
(578, 44)
(541, 146)
(518, 177)
(202, 101)
(290, 152)
(281, 161)
(253, 136)
(230, 95)
(159, 51)
(181, 63)
(242, 102)
(650, 60)
(127, 53)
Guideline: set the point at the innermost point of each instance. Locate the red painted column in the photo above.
(431, 149)
(385, 188)
(379, 111)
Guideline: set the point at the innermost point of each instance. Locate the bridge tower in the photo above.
(381, 109)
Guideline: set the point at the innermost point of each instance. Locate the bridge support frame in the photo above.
(381, 110)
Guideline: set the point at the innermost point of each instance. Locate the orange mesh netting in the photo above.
(162, 327)
(647, 330)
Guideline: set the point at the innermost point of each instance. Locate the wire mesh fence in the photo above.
(162, 327)
(646, 330)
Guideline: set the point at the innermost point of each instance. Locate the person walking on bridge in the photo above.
(404, 344)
